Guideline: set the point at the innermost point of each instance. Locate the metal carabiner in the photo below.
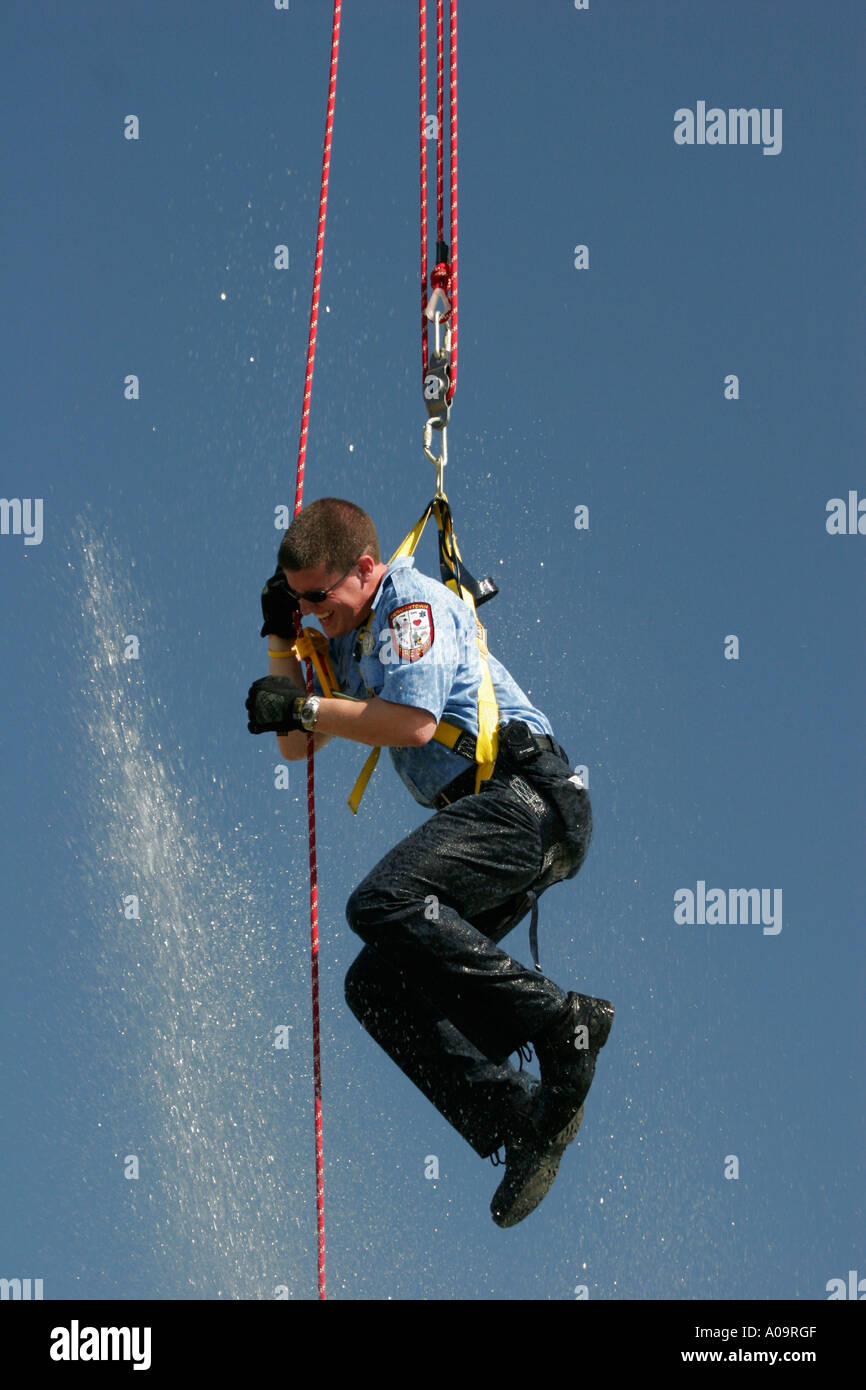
(440, 459)
(437, 317)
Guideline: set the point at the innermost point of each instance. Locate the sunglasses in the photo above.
(319, 595)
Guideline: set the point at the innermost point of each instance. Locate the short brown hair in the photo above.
(330, 533)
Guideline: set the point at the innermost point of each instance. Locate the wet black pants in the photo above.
(432, 986)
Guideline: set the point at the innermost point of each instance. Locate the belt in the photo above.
(464, 785)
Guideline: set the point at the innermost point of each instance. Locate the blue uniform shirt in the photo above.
(419, 648)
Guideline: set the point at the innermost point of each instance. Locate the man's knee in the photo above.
(355, 986)
(362, 910)
(375, 905)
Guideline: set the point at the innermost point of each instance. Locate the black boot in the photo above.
(531, 1165)
(566, 1053)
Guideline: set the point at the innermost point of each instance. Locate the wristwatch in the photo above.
(307, 711)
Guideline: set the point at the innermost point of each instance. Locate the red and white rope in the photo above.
(311, 802)
(440, 167)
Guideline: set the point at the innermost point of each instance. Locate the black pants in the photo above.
(432, 986)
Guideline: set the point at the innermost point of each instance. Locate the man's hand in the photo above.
(272, 705)
(278, 607)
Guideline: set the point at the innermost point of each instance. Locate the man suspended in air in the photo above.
(432, 985)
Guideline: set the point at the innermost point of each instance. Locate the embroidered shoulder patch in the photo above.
(412, 628)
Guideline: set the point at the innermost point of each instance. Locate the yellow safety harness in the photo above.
(313, 645)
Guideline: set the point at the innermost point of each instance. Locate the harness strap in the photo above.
(312, 645)
(533, 929)
(462, 584)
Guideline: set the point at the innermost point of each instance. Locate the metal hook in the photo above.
(437, 320)
(439, 460)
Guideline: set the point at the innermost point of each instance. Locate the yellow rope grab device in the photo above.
(313, 645)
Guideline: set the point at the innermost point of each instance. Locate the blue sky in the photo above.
(602, 387)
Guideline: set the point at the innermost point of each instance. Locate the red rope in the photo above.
(440, 180)
(422, 64)
(453, 144)
(440, 111)
(311, 804)
(320, 247)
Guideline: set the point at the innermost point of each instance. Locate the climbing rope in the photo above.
(443, 277)
(311, 802)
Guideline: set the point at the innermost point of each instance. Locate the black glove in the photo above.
(278, 607)
(272, 704)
